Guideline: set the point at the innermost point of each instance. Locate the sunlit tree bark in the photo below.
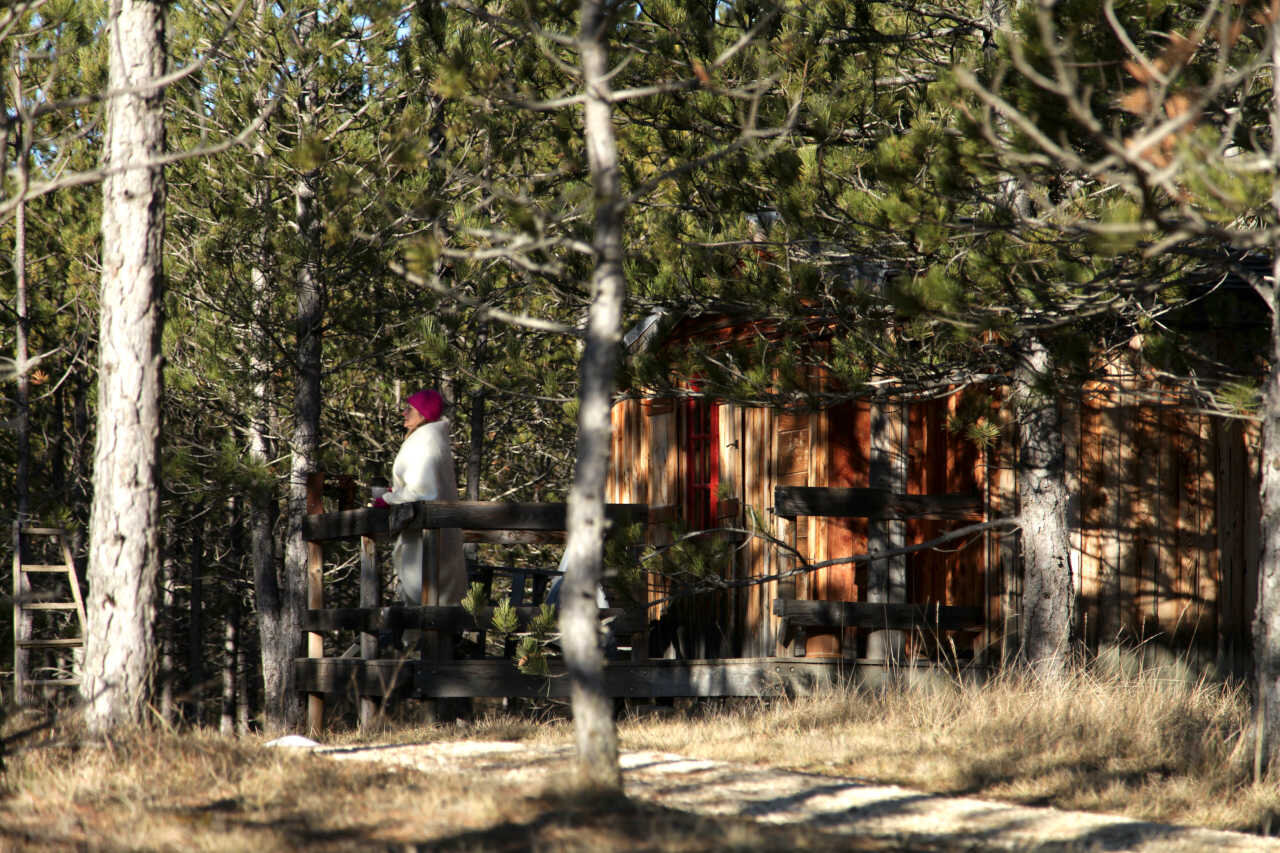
(124, 552)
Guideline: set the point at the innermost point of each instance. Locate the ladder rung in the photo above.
(60, 643)
(45, 568)
(51, 605)
(42, 531)
(51, 682)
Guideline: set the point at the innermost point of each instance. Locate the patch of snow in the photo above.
(295, 741)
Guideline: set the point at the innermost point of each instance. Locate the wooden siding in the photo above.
(847, 431)
(1167, 521)
(757, 484)
(941, 460)
(628, 480)
(1164, 514)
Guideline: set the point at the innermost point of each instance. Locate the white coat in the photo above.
(423, 471)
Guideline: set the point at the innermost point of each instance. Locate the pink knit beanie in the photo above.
(429, 404)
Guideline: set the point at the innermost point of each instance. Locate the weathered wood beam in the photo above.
(468, 515)
(474, 678)
(877, 616)
(450, 619)
(792, 501)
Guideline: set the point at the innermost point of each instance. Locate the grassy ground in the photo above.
(199, 791)
(1149, 747)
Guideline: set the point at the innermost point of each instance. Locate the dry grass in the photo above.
(1146, 746)
(1151, 746)
(195, 790)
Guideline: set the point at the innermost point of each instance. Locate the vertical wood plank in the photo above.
(1229, 516)
(829, 643)
(1144, 487)
(754, 456)
(848, 435)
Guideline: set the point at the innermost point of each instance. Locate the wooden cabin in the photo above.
(1164, 518)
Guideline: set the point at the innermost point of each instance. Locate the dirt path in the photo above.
(836, 805)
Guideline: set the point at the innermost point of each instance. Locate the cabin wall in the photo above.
(1164, 516)
(1166, 521)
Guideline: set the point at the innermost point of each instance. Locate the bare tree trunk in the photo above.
(283, 706)
(124, 553)
(1266, 625)
(22, 401)
(195, 621)
(276, 642)
(1048, 593)
(887, 577)
(596, 735)
(475, 448)
(168, 625)
(230, 651)
(22, 417)
(244, 705)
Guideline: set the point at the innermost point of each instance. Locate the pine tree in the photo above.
(124, 535)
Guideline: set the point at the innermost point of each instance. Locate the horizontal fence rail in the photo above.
(793, 501)
(468, 515)
(450, 619)
(875, 616)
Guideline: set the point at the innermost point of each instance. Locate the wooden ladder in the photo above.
(47, 596)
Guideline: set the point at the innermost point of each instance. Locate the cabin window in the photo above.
(702, 462)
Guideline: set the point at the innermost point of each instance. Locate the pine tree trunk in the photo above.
(244, 705)
(230, 652)
(168, 625)
(1048, 593)
(283, 706)
(124, 553)
(475, 448)
(274, 637)
(596, 735)
(22, 400)
(887, 577)
(275, 641)
(1266, 625)
(195, 620)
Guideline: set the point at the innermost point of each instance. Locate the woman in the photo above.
(423, 471)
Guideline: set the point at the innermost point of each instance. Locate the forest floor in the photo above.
(807, 810)
(1149, 762)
